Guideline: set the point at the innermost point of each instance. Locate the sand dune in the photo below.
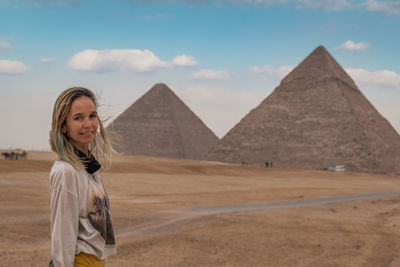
(149, 201)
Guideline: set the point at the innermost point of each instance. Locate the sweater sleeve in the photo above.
(64, 214)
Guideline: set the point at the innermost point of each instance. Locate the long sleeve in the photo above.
(64, 215)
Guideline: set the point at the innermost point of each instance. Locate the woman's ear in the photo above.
(64, 129)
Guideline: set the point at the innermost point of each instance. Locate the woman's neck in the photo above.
(84, 150)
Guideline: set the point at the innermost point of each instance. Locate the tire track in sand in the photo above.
(187, 215)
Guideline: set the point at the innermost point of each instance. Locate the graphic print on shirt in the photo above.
(98, 212)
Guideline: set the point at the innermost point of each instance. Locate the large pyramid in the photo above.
(316, 118)
(159, 124)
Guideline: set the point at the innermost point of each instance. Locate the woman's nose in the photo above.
(86, 123)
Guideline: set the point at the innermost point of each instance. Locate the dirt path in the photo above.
(183, 216)
(290, 204)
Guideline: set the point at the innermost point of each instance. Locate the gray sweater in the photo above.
(80, 215)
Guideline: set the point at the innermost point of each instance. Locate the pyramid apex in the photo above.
(321, 48)
(322, 52)
(319, 64)
(160, 86)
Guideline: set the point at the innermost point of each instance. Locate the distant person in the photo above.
(81, 230)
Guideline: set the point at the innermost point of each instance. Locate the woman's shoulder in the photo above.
(64, 169)
(64, 175)
(61, 166)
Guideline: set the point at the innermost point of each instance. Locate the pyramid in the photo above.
(159, 124)
(315, 119)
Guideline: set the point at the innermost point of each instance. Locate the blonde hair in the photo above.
(59, 141)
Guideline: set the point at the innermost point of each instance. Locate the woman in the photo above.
(81, 229)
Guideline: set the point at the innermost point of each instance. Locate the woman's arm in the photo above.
(64, 216)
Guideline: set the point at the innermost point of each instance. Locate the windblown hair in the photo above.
(60, 143)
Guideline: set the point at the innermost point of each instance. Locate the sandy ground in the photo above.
(149, 201)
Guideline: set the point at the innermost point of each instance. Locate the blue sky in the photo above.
(221, 57)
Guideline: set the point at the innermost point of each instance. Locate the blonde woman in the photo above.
(81, 228)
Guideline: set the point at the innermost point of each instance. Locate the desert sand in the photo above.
(152, 201)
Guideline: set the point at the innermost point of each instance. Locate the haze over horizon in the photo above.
(221, 57)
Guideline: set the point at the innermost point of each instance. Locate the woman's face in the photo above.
(82, 123)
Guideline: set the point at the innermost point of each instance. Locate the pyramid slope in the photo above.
(315, 119)
(160, 124)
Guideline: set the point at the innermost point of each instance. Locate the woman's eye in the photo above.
(93, 116)
(77, 118)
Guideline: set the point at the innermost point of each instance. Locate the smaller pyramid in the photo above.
(159, 124)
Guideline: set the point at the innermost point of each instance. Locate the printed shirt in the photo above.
(80, 215)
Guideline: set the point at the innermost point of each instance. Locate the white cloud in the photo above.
(352, 46)
(307, 4)
(12, 67)
(386, 7)
(324, 4)
(211, 75)
(4, 44)
(47, 59)
(52, 2)
(184, 61)
(273, 73)
(375, 79)
(389, 7)
(132, 60)
(252, 2)
(230, 2)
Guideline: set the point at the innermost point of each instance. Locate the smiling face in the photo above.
(81, 123)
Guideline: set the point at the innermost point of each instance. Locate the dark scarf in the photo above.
(91, 164)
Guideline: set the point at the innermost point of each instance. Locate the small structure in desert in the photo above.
(316, 118)
(160, 124)
(15, 154)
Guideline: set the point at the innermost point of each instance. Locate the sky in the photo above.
(221, 57)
